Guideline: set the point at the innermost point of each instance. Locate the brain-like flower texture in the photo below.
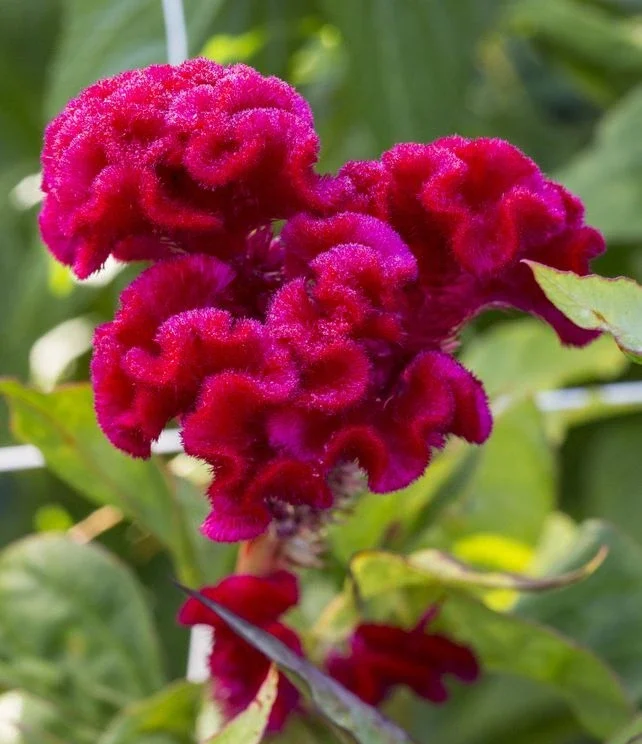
(286, 357)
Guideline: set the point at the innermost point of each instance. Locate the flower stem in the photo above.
(175, 31)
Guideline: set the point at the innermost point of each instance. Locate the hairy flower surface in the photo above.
(237, 669)
(382, 657)
(286, 357)
(277, 399)
(470, 211)
(172, 159)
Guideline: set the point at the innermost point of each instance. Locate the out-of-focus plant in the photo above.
(289, 359)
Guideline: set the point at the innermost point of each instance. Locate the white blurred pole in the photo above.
(617, 394)
(175, 31)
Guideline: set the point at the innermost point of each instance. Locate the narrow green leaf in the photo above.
(595, 302)
(377, 572)
(352, 717)
(249, 726)
(74, 628)
(172, 713)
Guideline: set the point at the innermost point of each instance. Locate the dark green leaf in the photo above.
(346, 712)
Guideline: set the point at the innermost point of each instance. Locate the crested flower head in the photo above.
(286, 358)
(172, 159)
(471, 210)
(237, 669)
(381, 658)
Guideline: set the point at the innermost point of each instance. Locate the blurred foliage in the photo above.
(85, 659)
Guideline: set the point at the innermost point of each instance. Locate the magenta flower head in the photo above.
(334, 370)
(237, 669)
(173, 159)
(471, 210)
(382, 657)
(287, 358)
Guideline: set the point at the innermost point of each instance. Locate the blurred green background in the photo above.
(562, 79)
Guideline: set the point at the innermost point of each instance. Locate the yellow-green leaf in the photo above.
(595, 302)
(249, 726)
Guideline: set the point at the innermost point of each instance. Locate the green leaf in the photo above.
(594, 302)
(376, 572)
(533, 359)
(512, 645)
(249, 726)
(353, 718)
(410, 63)
(168, 716)
(74, 628)
(102, 37)
(632, 734)
(62, 424)
(608, 174)
(504, 643)
(603, 612)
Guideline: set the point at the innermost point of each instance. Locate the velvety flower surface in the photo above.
(470, 211)
(286, 357)
(237, 669)
(333, 370)
(382, 657)
(171, 159)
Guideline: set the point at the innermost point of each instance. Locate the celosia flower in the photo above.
(335, 371)
(470, 211)
(383, 657)
(172, 159)
(285, 358)
(237, 669)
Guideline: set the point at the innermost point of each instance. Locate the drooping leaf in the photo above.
(249, 726)
(74, 628)
(595, 302)
(62, 424)
(169, 714)
(377, 572)
(359, 722)
(602, 612)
